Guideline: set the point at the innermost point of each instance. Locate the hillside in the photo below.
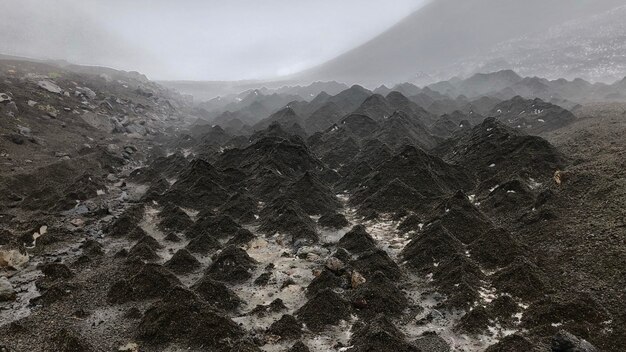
(440, 33)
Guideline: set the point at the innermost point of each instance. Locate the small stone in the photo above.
(24, 131)
(5, 98)
(86, 92)
(312, 257)
(129, 347)
(50, 110)
(334, 264)
(360, 303)
(77, 222)
(357, 279)
(7, 293)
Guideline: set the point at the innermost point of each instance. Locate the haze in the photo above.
(195, 40)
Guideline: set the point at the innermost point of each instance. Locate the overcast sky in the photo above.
(195, 39)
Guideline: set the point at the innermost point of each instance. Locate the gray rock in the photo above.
(50, 87)
(135, 128)
(117, 126)
(5, 98)
(563, 341)
(87, 92)
(125, 121)
(105, 104)
(7, 293)
(25, 131)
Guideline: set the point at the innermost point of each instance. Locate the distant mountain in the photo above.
(220, 93)
(592, 48)
(507, 84)
(445, 32)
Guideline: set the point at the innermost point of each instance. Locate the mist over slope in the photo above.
(68, 32)
(446, 31)
(590, 48)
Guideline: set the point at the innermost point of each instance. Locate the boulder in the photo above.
(50, 87)
(563, 341)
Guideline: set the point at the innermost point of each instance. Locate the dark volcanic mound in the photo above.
(380, 335)
(357, 240)
(216, 226)
(312, 195)
(381, 296)
(185, 318)
(286, 217)
(151, 281)
(372, 261)
(232, 265)
(426, 174)
(497, 152)
(216, 294)
(182, 262)
(174, 219)
(203, 244)
(325, 280)
(532, 115)
(287, 327)
(325, 308)
(240, 207)
(199, 186)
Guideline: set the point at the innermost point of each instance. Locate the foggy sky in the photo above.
(195, 39)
